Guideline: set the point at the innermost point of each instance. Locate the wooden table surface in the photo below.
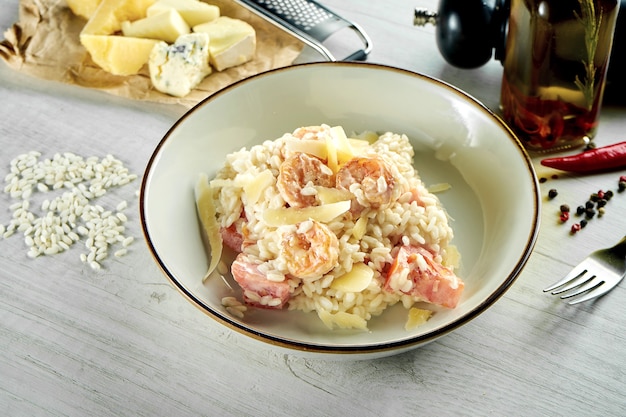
(122, 341)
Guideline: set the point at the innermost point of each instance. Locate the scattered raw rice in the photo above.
(70, 214)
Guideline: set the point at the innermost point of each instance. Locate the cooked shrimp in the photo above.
(257, 289)
(415, 272)
(371, 180)
(312, 132)
(310, 249)
(298, 175)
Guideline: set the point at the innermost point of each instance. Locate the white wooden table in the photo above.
(122, 341)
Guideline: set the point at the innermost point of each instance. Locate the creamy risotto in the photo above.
(340, 226)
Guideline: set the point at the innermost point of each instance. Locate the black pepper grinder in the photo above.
(469, 33)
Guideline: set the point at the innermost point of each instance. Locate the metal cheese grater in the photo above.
(310, 22)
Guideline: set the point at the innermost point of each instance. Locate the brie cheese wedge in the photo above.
(233, 41)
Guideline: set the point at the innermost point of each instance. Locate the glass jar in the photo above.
(557, 53)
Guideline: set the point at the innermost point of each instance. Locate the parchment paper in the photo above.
(45, 44)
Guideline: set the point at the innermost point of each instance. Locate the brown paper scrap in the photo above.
(45, 43)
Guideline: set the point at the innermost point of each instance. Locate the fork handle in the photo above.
(620, 248)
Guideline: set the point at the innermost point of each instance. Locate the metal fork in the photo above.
(596, 275)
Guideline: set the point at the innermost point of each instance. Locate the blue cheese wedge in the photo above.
(233, 41)
(178, 68)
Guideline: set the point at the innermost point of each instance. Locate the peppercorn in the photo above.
(575, 228)
(590, 213)
(564, 216)
(552, 193)
(589, 204)
(594, 197)
(601, 211)
(608, 195)
(601, 203)
(621, 186)
(564, 208)
(580, 210)
(583, 223)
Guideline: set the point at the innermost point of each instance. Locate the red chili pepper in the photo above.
(593, 160)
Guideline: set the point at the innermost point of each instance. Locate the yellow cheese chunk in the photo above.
(118, 55)
(293, 215)
(233, 41)
(194, 12)
(167, 26)
(83, 8)
(358, 279)
(110, 14)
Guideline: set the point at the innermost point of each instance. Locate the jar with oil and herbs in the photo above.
(557, 54)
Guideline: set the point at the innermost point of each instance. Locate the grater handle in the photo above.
(359, 55)
(313, 37)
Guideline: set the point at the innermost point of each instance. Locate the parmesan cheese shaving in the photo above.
(206, 213)
(343, 148)
(332, 195)
(358, 279)
(309, 146)
(331, 154)
(454, 257)
(293, 215)
(367, 136)
(438, 188)
(417, 317)
(341, 319)
(257, 185)
(360, 227)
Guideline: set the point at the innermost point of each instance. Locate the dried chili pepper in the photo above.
(593, 160)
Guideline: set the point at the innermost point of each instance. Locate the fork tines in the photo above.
(579, 282)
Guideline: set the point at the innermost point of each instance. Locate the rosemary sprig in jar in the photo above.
(591, 22)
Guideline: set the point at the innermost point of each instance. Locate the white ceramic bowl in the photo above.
(494, 199)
